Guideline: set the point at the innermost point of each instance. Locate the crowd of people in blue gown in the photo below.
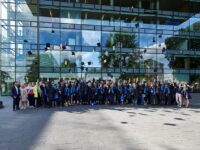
(99, 92)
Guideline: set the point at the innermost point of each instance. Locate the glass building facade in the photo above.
(108, 39)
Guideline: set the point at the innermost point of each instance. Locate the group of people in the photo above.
(98, 92)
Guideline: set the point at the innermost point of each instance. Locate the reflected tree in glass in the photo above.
(120, 60)
(33, 75)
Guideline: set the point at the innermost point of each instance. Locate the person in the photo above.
(57, 95)
(89, 93)
(44, 89)
(167, 94)
(145, 94)
(51, 94)
(186, 95)
(93, 90)
(67, 94)
(138, 93)
(153, 94)
(24, 95)
(159, 94)
(100, 94)
(112, 93)
(123, 93)
(30, 95)
(178, 95)
(129, 93)
(62, 93)
(16, 96)
(39, 103)
(106, 95)
(35, 91)
(72, 93)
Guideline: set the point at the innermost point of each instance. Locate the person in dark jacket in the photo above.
(112, 92)
(15, 95)
(44, 88)
(51, 94)
(62, 90)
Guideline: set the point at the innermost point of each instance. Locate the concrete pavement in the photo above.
(99, 128)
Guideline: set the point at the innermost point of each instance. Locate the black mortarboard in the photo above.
(73, 53)
(98, 44)
(82, 63)
(25, 41)
(29, 53)
(48, 45)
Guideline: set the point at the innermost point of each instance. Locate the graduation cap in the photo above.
(82, 68)
(46, 49)
(52, 31)
(63, 47)
(145, 50)
(98, 44)
(29, 53)
(163, 50)
(154, 39)
(48, 45)
(160, 36)
(89, 63)
(82, 63)
(73, 53)
(137, 25)
(25, 41)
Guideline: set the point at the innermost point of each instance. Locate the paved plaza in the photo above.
(100, 128)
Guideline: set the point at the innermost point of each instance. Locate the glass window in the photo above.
(50, 58)
(70, 16)
(91, 38)
(26, 12)
(49, 35)
(71, 37)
